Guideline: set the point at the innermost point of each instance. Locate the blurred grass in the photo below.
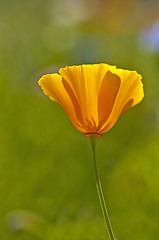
(46, 175)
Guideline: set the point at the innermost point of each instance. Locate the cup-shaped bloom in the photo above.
(93, 95)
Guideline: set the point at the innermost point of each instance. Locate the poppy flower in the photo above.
(93, 95)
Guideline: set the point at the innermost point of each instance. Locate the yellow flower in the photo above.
(93, 95)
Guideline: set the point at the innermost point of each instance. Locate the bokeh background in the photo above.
(47, 188)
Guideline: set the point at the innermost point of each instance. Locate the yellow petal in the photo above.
(130, 93)
(85, 80)
(73, 100)
(53, 86)
(107, 94)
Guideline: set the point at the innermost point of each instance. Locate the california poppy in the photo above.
(93, 95)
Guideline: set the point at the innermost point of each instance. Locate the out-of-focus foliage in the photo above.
(47, 188)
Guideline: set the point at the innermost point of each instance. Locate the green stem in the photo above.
(100, 191)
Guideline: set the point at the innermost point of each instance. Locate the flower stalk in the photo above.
(100, 191)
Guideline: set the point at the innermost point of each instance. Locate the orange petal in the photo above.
(85, 80)
(73, 99)
(52, 86)
(107, 94)
(130, 93)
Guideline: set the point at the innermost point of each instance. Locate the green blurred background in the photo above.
(47, 188)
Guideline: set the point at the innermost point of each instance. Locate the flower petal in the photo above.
(73, 100)
(107, 94)
(85, 80)
(130, 93)
(52, 86)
